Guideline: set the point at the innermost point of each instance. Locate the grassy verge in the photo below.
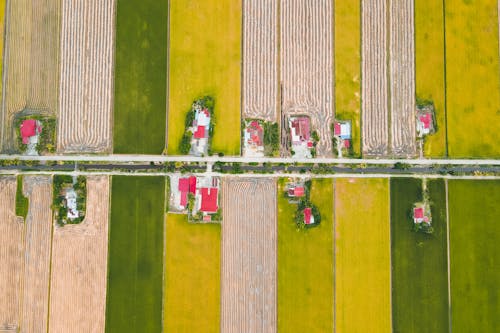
(430, 68)
(419, 260)
(475, 259)
(472, 84)
(135, 264)
(205, 56)
(362, 256)
(140, 76)
(348, 65)
(305, 265)
(22, 203)
(192, 280)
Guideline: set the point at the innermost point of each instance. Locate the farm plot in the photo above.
(374, 86)
(305, 265)
(205, 59)
(248, 255)
(38, 237)
(419, 261)
(11, 254)
(402, 78)
(135, 256)
(79, 263)
(472, 84)
(347, 65)
(307, 65)
(31, 63)
(474, 256)
(429, 65)
(140, 84)
(362, 256)
(86, 87)
(260, 59)
(192, 276)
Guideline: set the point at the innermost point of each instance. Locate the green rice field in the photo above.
(140, 76)
(205, 59)
(419, 261)
(474, 255)
(305, 265)
(192, 276)
(348, 65)
(472, 78)
(135, 258)
(430, 69)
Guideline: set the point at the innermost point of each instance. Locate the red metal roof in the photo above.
(426, 120)
(192, 184)
(183, 185)
(309, 144)
(200, 132)
(299, 191)
(301, 126)
(307, 215)
(184, 196)
(28, 129)
(209, 200)
(418, 213)
(347, 143)
(336, 129)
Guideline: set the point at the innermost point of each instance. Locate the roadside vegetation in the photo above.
(419, 260)
(305, 265)
(472, 84)
(205, 59)
(474, 255)
(430, 69)
(22, 203)
(140, 76)
(135, 259)
(362, 256)
(348, 66)
(192, 276)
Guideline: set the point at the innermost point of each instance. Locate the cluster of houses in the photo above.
(300, 132)
(342, 133)
(30, 130)
(296, 191)
(201, 131)
(253, 139)
(196, 196)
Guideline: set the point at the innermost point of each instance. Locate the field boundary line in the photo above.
(5, 55)
(164, 260)
(167, 84)
(50, 256)
(448, 253)
(445, 84)
(334, 243)
(390, 249)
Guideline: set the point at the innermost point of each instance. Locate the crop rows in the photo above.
(79, 266)
(85, 100)
(11, 254)
(249, 256)
(374, 85)
(31, 62)
(260, 59)
(35, 287)
(307, 64)
(402, 52)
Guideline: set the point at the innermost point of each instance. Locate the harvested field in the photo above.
(38, 234)
(260, 59)
(307, 65)
(11, 254)
(32, 60)
(79, 266)
(86, 90)
(248, 255)
(362, 256)
(402, 78)
(374, 86)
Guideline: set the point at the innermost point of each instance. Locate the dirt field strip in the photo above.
(11, 254)
(86, 88)
(260, 59)
(35, 288)
(402, 55)
(248, 255)
(374, 86)
(307, 64)
(31, 61)
(79, 266)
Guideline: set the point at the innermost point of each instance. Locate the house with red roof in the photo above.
(201, 130)
(425, 120)
(296, 191)
(253, 139)
(30, 129)
(342, 133)
(186, 185)
(308, 216)
(300, 136)
(421, 214)
(209, 200)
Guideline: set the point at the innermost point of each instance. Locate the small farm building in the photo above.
(30, 128)
(420, 215)
(300, 129)
(297, 191)
(209, 198)
(308, 216)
